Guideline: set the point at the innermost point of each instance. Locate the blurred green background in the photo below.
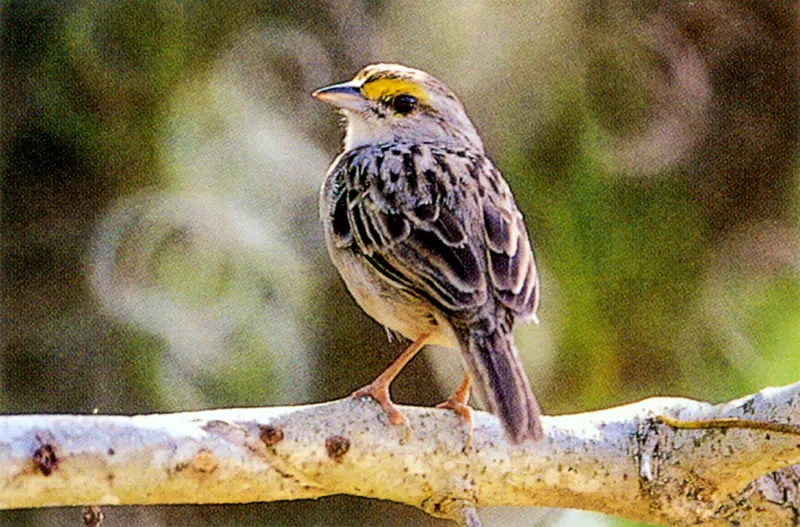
(161, 249)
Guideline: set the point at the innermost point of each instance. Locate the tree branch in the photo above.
(622, 461)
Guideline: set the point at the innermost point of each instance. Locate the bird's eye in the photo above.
(404, 104)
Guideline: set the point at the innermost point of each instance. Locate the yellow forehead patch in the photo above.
(388, 87)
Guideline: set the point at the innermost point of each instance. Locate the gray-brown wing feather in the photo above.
(511, 266)
(416, 216)
(395, 208)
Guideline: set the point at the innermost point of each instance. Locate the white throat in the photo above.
(361, 132)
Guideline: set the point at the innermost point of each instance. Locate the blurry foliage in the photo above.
(161, 249)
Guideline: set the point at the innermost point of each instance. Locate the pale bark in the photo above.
(619, 461)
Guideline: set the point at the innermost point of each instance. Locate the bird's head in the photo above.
(385, 103)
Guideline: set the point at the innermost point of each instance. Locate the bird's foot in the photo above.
(379, 392)
(458, 403)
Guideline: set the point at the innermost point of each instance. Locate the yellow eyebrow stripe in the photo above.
(383, 88)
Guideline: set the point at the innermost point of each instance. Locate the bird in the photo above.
(427, 237)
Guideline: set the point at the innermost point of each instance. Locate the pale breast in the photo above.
(389, 305)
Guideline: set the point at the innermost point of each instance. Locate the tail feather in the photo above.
(500, 378)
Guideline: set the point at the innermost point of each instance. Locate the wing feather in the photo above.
(418, 216)
(512, 267)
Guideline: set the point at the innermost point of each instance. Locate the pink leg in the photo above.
(379, 388)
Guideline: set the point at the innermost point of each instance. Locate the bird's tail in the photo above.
(493, 360)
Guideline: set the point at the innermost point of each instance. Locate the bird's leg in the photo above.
(458, 403)
(379, 388)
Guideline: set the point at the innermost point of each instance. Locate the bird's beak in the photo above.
(346, 96)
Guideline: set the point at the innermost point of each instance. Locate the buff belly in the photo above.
(390, 305)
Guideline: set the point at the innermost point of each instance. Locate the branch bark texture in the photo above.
(620, 461)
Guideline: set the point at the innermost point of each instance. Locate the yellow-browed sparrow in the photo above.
(427, 237)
